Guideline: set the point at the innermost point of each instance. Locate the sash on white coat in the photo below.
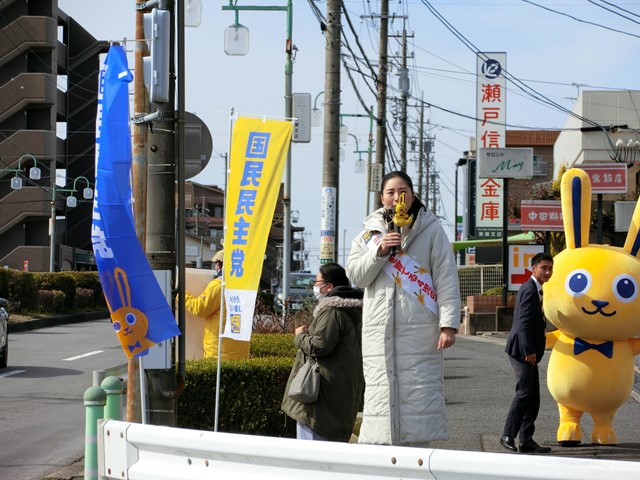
(407, 274)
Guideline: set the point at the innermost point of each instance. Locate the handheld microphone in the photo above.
(392, 228)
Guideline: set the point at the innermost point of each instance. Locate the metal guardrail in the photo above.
(140, 452)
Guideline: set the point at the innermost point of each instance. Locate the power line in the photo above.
(620, 8)
(581, 20)
(613, 11)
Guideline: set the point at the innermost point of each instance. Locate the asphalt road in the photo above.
(42, 424)
(479, 387)
(42, 417)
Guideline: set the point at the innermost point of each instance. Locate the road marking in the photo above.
(81, 356)
(13, 372)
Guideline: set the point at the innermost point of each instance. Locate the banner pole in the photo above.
(224, 267)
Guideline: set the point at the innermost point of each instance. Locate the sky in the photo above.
(557, 48)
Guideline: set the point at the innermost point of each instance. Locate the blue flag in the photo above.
(140, 313)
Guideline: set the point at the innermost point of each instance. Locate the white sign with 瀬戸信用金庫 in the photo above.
(491, 132)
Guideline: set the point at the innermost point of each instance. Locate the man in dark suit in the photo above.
(525, 347)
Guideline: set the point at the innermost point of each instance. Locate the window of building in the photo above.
(217, 211)
(539, 166)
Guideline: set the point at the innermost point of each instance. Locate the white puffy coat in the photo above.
(403, 369)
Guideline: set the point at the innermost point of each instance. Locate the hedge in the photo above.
(51, 292)
(272, 345)
(4, 282)
(62, 281)
(251, 392)
(23, 292)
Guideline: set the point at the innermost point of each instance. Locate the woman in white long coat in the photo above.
(411, 314)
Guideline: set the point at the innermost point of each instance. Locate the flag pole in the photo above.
(224, 267)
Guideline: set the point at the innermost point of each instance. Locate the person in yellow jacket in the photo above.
(207, 305)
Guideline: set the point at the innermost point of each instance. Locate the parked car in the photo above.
(300, 292)
(4, 331)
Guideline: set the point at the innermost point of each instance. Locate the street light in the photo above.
(344, 132)
(236, 38)
(72, 201)
(34, 172)
(193, 13)
(316, 113)
(288, 113)
(359, 166)
(369, 151)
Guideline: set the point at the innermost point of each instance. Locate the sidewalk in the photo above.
(74, 471)
(43, 322)
(479, 386)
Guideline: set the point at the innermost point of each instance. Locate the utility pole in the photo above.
(405, 88)
(434, 191)
(154, 180)
(331, 148)
(139, 191)
(404, 85)
(404, 92)
(369, 155)
(381, 128)
(427, 155)
(421, 151)
(161, 226)
(180, 174)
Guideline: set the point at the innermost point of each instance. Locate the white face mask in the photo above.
(317, 293)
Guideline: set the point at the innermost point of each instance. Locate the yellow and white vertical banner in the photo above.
(258, 152)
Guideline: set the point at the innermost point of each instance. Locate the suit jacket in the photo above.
(528, 329)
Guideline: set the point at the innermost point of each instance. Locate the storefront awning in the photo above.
(513, 239)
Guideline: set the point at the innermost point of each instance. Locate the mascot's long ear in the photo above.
(632, 243)
(575, 192)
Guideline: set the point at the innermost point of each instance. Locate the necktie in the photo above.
(540, 297)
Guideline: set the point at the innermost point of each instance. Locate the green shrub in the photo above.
(4, 282)
(251, 393)
(496, 291)
(85, 298)
(90, 281)
(51, 301)
(272, 345)
(62, 281)
(23, 292)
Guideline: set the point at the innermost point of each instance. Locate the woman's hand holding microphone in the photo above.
(389, 241)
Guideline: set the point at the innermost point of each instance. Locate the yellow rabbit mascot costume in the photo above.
(593, 299)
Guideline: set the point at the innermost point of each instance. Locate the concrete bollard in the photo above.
(95, 399)
(113, 388)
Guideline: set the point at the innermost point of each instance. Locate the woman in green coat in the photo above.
(334, 338)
